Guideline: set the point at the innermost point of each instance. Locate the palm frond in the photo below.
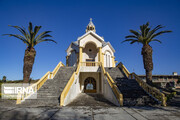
(142, 28)
(159, 33)
(147, 24)
(145, 35)
(30, 37)
(30, 27)
(27, 34)
(134, 41)
(19, 37)
(131, 36)
(41, 34)
(43, 40)
(156, 40)
(146, 31)
(127, 40)
(36, 30)
(22, 30)
(154, 30)
(134, 32)
(45, 35)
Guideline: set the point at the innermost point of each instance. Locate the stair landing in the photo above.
(91, 99)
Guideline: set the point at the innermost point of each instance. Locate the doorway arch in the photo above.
(90, 85)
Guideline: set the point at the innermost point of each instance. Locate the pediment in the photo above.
(90, 37)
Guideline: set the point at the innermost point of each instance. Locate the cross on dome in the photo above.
(90, 26)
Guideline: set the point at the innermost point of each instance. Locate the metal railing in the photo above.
(36, 86)
(113, 86)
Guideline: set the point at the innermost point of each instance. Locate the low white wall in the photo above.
(73, 92)
(108, 93)
(89, 68)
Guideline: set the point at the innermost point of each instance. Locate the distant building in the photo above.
(164, 80)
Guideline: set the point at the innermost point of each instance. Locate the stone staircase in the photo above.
(133, 94)
(175, 101)
(49, 93)
(91, 99)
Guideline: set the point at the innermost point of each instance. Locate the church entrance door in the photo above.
(90, 85)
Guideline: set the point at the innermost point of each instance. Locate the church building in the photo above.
(90, 50)
(90, 47)
(91, 70)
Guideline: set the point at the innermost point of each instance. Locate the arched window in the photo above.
(108, 61)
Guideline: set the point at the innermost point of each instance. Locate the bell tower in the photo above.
(90, 26)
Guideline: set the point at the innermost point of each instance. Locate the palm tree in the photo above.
(31, 39)
(144, 36)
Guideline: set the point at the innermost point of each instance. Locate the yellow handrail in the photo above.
(36, 86)
(151, 90)
(113, 86)
(68, 86)
(60, 64)
(110, 81)
(42, 80)
(124, 69)
(66, 89)
(77, 70)
(115, 89)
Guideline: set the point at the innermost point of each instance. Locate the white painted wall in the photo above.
(90, 38)
(108, 93)
(73, 92)
(107, 48)
(89, 69)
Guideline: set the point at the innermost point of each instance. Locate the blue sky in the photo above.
(68, 20)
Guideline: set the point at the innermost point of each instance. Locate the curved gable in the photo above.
(90, 37)
(107, 48)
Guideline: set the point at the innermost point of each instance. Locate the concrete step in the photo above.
(133, 94)
(175, 101)
(93, 100)
(49, 93)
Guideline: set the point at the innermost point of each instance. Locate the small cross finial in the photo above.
(90, 26)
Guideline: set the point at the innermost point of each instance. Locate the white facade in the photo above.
(90, 43)
(90, 51)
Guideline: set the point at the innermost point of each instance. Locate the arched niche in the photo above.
(90, 52)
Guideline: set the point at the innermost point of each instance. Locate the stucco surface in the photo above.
(90, 113)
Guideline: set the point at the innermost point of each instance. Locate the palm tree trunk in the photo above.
(149, 77)
(148, 63)
(28, 63)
